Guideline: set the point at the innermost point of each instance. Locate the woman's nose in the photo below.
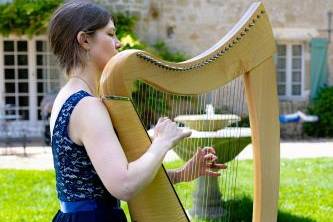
(118, 44)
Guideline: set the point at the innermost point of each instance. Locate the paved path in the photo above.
(36, 157)
(41, 157)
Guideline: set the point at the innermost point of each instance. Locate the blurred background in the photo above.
(175, 30)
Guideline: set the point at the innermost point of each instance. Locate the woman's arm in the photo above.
(92, 125)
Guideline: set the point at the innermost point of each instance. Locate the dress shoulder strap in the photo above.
(62, 121)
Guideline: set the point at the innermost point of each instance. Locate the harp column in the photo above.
(260, 86)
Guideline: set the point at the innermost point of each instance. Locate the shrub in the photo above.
(322, 106)
(161, 49)
(125, 25)
(125, 31)
(26, 17)
(155, 102)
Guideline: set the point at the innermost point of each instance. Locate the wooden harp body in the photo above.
(247, 51)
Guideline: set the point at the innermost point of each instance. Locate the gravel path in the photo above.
(38, 157)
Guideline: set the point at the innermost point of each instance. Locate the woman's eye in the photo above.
(111, 34)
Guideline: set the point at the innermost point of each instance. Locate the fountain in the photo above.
(214, 130)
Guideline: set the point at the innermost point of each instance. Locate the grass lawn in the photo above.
(306, 192)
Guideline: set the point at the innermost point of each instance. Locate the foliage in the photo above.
(31, 17)
(305, 192)
(125, 26)
(322, 107)
(26, 17)
(125, 31)
(161, 49)
(150, 103)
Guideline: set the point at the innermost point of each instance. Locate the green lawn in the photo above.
(306, 192)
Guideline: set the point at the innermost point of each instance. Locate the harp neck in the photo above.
(230, 57)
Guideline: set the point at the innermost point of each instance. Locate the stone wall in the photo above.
(192, 26)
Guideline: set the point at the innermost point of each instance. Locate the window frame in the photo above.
(32, 75)
(48, 81)
(16, 80)
(289, 70)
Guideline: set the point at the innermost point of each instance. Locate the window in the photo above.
(290, 70)
(16, 81)
(47, 72)
(29, 71)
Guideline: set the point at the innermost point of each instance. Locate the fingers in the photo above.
(207, 150)
(217, 166)
(167, 129)
(161, 119)
(212, 173)
(162, 123)
(210, 157)
(185, 133)
(212, 170)
(182, 133)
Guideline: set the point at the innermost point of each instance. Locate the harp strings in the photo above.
(204, 205)
(242, 113)
(223, 180)
(230, 171)
(152, 104)
(231, 144)
(216, 98)
(226, 183)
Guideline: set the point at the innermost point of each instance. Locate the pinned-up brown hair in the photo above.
(67, 21)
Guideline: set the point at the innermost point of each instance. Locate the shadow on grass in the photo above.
(241, 211)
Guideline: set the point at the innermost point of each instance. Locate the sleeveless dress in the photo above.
(81, 193)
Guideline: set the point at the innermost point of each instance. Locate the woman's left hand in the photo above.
(203, 163)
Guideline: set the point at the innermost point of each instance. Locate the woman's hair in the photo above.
(66, 23)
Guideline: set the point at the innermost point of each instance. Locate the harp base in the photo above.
(207, 203)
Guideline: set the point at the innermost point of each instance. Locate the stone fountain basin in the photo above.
(228, 143)
(207, 122)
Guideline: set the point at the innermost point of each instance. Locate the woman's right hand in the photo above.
(167, 131)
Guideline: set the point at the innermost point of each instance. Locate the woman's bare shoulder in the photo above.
(91, 103)
(91, 111)
(89, 120)
(88, 110)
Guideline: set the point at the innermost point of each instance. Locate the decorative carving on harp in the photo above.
(237, 75)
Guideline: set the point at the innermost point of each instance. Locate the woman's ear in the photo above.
(83, 40)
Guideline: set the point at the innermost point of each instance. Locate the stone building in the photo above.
(28, 71)
(192, 26)
(300, 28)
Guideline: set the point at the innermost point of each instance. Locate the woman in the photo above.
(92, 172)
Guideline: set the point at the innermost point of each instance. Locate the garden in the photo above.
(306, 185)
(306, 192)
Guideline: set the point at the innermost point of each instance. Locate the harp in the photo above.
(245, 57)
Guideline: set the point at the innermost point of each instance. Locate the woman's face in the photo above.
(105, 45)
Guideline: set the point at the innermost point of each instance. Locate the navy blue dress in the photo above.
(81, 193)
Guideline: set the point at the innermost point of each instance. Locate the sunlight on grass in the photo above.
(27, 195)
(306, 192)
